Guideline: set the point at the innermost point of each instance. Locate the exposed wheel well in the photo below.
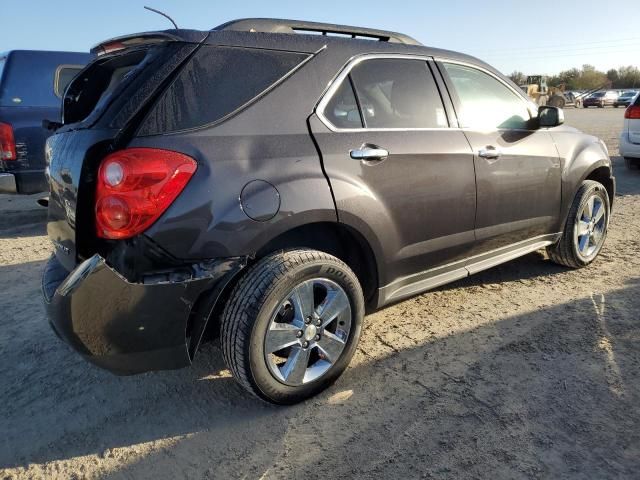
(603, 176)
(336, 239)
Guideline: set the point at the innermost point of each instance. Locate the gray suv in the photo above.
(270, 181)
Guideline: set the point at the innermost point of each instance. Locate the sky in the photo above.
(532, 37)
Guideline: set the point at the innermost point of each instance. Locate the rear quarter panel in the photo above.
(268, 141)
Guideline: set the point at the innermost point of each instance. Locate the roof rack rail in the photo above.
(275, 25)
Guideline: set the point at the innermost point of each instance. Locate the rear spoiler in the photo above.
(145, 38)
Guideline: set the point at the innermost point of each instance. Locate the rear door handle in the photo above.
(490, 152)
(369, 152)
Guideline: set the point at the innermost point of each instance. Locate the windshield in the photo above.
(2, 60)
(598, 95)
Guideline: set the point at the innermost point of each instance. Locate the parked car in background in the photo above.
(625, 99)
(340, 174)
(31, 87)
(630, 136)
(601, 99)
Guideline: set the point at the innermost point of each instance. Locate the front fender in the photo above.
(581, 155)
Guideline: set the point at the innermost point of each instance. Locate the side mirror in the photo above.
(550, 116)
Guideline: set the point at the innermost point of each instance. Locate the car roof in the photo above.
(313, 36)
(306, 37)
(346, 47)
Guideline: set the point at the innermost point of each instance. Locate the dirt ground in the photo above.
(528, 370)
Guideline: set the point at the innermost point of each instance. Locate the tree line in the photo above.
(588, 77)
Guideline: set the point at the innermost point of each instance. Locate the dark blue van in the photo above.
(31, 87)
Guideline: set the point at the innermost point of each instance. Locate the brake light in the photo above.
(7, 143)
(111, 47)
(632, 112)
(135, 186)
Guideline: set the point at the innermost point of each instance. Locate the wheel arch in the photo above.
(603, 174)
(337, 239)
(598, 170)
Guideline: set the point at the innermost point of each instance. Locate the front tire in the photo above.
(292, 324)
(586, 228)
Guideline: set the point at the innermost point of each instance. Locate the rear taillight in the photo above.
(632, 112)
(7, 143)
(135, 186)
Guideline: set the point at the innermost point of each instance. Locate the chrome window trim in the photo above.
(346, 70)
(339, 78)
(531, 107)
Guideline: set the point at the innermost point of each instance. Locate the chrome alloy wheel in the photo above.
(591, 225)
(308, 332)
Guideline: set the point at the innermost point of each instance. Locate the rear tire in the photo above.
(586, 227)
(267, 322)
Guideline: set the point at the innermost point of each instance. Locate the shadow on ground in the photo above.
(551, 393)
(23, 223)
(627, 181)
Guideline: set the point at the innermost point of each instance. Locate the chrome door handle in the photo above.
(489, 152)
(369, 152)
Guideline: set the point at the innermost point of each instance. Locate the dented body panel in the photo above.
(129, 327)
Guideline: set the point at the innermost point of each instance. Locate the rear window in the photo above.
(63, 77)
(217, 82)
(90, 90)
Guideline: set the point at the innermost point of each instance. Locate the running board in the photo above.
(437, 277)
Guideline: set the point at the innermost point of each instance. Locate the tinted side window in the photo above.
(216, 82)
(398, 94)
(342, 110)
(485, 102)
(64, 75)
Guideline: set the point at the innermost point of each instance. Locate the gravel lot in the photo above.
(528, 370)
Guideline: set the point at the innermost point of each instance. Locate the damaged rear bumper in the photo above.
(130, 328)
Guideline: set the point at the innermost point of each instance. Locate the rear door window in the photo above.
(64, 75)
(342, 109)
(398, 93)
(217, 82)
(485, 103)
